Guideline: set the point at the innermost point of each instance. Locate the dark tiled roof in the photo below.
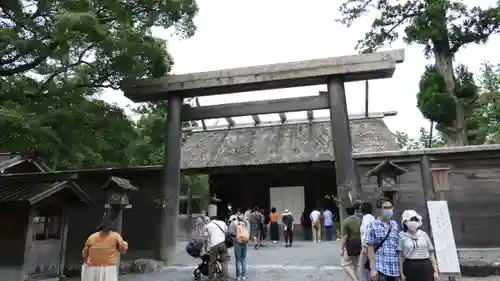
(122, 183)
(33, 193)
(17, 160)
(287, 143)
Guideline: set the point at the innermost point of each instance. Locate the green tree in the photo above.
(67, 128)
(105, 40)
(443, 26)
(437, 105)
(485, 116)
(57, 56)
(149, 147)
(405, 142)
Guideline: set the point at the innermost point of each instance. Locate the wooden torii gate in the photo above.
(333, 72)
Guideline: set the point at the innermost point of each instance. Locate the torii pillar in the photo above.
(348, 183)
(169, 193)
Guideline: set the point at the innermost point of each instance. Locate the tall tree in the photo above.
(68, 128)
(443, 26)
(406, 142)
(485, 115)
(437, 105)
(56, 57)
(107, 40)
(149, 146)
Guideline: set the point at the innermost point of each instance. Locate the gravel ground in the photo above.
(305, 261)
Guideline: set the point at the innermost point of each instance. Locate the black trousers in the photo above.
(288, 236)
(418, 270)
(382, 277)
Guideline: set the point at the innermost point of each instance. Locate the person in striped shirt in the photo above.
(416, 252)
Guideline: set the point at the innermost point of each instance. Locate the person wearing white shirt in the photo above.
(366, 208)
(216, 231)
(315, 217)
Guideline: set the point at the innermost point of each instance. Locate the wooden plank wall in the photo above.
(473, 198)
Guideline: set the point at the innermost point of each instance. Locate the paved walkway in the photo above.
(306, 261)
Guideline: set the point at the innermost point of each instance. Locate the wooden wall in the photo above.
(13, 241)
(473, 198)
(140, 224)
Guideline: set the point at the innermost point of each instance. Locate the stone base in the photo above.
(479, 262)
(135, 266)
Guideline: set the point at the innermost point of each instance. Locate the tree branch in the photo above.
(28, 66)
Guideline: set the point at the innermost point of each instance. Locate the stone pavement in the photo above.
(305, 261)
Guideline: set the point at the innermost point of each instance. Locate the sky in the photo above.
(239, 33)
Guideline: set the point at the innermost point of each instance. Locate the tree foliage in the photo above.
(105, 41)
(404, 141)
(484, 120)
(56, 57)
(442, 26)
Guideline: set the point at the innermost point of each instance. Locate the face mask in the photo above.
(388, 213)
(413, 225)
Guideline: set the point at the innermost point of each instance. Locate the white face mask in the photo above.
(413, 225)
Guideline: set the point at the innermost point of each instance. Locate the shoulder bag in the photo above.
(228, 239)
(367, 263)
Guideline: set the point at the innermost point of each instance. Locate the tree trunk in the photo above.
(457, 134)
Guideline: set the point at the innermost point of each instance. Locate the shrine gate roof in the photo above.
(280, 144)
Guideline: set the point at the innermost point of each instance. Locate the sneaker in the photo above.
(243, 278)
(238, 278)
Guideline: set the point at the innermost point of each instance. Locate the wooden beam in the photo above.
(203, 124)
(256, 119)
(230, 121)
(255, 107)
(265, 77)
(282, 117)
(310, 115)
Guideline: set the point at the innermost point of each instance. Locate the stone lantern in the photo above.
(387, 174)
(117, 199)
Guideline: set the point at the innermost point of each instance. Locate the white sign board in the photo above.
(444, 241)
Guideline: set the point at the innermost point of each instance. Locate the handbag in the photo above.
(367, 263)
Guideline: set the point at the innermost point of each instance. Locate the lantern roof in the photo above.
(386, 168)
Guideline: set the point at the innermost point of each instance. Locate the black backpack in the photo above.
(353, 245)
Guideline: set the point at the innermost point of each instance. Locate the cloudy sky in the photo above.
(238, 33)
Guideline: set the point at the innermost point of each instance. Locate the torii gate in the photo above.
(333, 71)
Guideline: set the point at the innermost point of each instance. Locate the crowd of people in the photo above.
(372, 246)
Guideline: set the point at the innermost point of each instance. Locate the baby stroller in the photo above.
(195, 249)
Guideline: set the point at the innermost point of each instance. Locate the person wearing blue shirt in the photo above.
(328, 224)
(240, 248)
(381, 238)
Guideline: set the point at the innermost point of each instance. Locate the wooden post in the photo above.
(189, 213)
(428, 185)
(169, 194)
(119, 225)
(348, 183)
(427, 179)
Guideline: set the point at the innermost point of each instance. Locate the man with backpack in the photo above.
(217, 232)
(350, 244)
(239, 229)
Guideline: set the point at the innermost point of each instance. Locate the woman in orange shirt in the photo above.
(274, 230)
(100, 254)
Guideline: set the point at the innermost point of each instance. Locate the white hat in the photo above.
(232, 217)
(408, 214)
(286, 211)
